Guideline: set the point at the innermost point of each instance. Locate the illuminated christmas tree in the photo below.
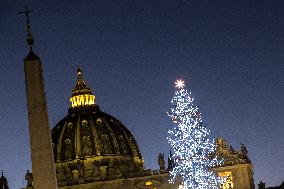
(190, 143)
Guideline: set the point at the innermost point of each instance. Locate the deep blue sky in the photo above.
(229, 52)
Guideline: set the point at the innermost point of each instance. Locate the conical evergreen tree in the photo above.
(191, 146)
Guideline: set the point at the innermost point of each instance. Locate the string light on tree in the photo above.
(190, 143)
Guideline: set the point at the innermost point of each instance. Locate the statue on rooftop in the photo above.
(29, 179)
(161, 161)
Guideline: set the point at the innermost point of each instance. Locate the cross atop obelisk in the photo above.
(30, 39)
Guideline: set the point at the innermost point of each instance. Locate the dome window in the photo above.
(99, 120)
(104, 136)
(70, 125)
(86, 137)
(85, 122)
(67, 141)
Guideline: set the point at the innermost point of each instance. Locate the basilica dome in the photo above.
(92, 139)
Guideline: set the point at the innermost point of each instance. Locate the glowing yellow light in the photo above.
(148, 183)
(82, 100)
(179, 84)
(229, 180)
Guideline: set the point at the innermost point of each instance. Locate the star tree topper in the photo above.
(179, 84)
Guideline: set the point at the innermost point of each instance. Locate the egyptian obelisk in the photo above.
(43, 169)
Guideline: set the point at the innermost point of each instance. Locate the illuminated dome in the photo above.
(92, 141)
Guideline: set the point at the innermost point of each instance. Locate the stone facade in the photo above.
(237, 167)
(239, 176)
(156, 180)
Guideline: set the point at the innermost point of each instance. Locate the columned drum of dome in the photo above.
(90, 145)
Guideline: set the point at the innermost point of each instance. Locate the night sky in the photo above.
(229, 52)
